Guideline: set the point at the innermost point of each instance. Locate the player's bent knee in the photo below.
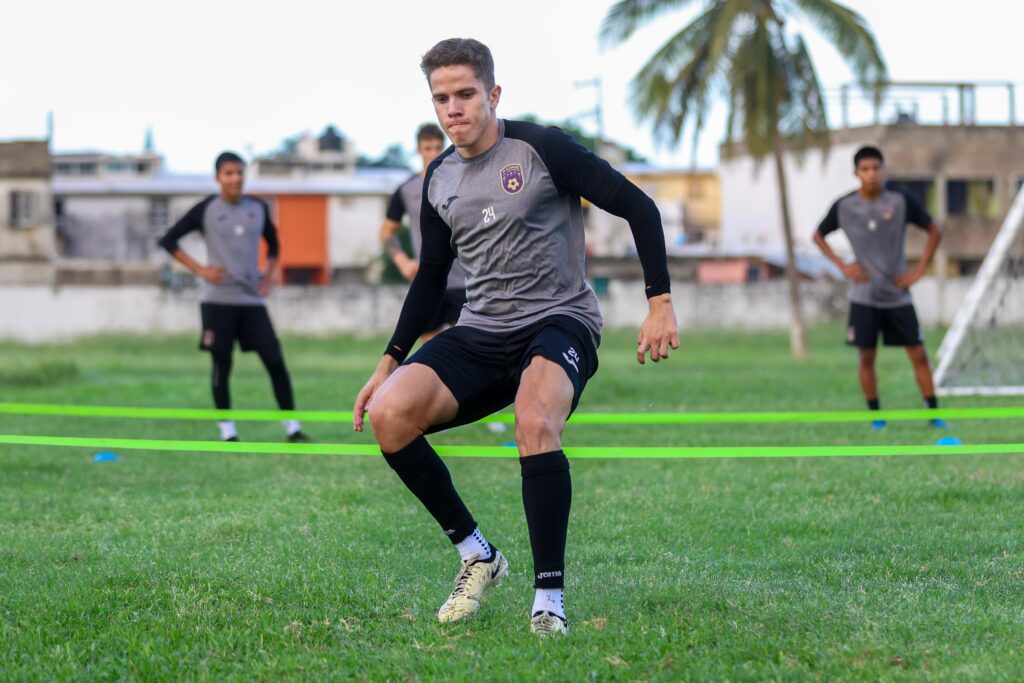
(536, 425)
(392, 424)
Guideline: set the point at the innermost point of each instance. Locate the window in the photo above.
(23, 209)
(971, 198)
(117, 167)
(87, 168)
(159, 215)
(921, 190)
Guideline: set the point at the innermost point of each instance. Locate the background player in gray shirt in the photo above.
(505, 199)
(406, 201)
(232, 288)
(875, 221)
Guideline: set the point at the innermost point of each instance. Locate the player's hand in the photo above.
(215, 275)
(907, 278)
(387, 366)
(408, 267)
(659, 330)
(854, 272)
(266, 283)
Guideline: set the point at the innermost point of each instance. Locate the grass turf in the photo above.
(197, 566)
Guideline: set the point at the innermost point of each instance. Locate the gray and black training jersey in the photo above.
(877, 231)
(406, 201)
(513, 217)
(232, 233)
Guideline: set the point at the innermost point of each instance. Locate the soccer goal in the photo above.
(983, 352)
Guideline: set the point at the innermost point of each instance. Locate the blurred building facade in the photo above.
(28, 246)
(329, 154)
(964, 172)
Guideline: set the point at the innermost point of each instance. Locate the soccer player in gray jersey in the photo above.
(232, 288)
(505, 199)
(406, 201)
(875, 221)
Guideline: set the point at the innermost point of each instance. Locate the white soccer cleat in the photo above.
(470, 585)
(547, 624)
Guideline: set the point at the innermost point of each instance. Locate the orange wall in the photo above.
(302, 229)
(726, 271)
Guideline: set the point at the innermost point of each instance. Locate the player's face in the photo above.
(871, 174)
(231, 178)
(464, 107)
(429, 149)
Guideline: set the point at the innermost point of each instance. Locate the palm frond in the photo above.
(677, 83)
(849, 33)
(626, 16)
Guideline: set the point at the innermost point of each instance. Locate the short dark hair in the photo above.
(461, 52)
(429, 131)
(868, 152)
(227, 158)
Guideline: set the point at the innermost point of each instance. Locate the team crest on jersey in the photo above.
(512, 178)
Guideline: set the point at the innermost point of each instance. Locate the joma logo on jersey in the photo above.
(548, 575)
(512, 180)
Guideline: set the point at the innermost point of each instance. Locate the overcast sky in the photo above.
(208, 75)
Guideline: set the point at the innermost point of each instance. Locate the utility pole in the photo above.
(598, 111)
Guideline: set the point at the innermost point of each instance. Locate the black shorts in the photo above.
(899, 326)
(482, 369)
(450, 310)
(224, 323)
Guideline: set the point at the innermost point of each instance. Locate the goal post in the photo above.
(983, 351)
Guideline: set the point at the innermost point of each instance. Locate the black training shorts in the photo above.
(899, 326)
(482, 369)
(450, 310)
(224, 323)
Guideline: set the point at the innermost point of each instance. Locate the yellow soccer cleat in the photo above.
(547, 624)
(472, 582)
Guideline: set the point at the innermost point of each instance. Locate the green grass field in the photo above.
(186, 566)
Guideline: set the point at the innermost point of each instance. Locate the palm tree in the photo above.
(742, 50)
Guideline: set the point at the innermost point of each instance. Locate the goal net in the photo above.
(983, 352)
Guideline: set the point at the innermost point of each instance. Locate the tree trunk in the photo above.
(797, 329)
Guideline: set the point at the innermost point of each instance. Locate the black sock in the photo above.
(931, 402)
(273, 361)
(874, 404)
(547, 497)
(421, 469)
(220, 379)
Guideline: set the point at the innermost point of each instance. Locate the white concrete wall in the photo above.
(41, 314)
(354, 222)
(751, 217)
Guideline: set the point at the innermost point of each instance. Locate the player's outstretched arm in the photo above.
(659, 331)
(384, 370)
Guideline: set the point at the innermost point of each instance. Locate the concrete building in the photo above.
(328, 155)
(966, 174)
(27, 234)
(690, 204)
(328, 228)
(102, 165)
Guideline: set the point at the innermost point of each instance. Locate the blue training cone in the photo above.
(949, 441)
(105, 456)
